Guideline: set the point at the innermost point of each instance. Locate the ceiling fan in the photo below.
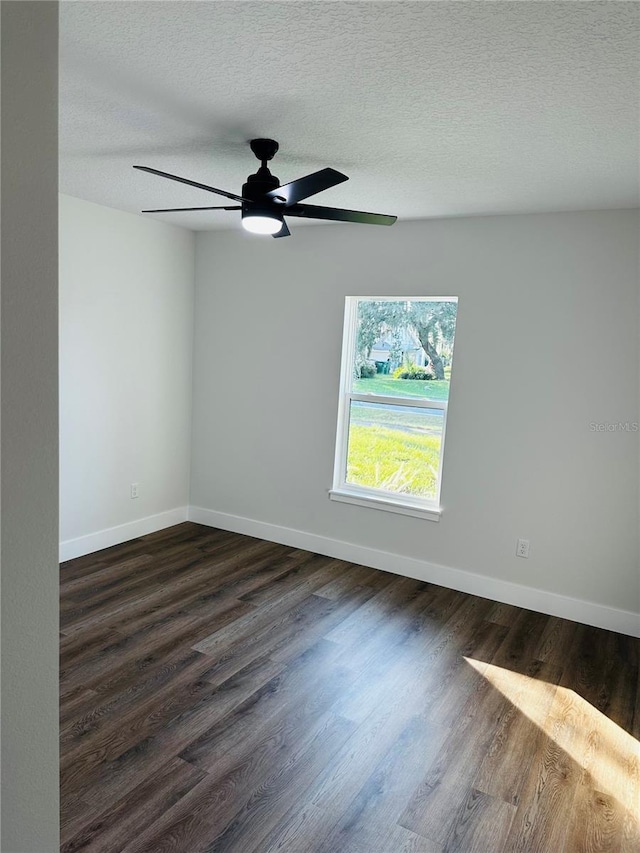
(264, 202)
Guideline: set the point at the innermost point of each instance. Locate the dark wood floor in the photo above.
(220, 693)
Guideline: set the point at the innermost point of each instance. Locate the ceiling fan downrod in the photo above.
(263, 181)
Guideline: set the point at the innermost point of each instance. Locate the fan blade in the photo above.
(337, 214)
(309, 185)
(190, 183)
(178, 209)
(284, 231)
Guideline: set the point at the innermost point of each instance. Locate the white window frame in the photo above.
(362, 495)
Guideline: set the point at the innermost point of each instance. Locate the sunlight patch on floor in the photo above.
(605, 751)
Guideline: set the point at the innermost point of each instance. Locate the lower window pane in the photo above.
(395, 448)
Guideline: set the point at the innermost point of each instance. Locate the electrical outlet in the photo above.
(134, 490)
(522, 549)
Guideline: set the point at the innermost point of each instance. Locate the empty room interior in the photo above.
(321, 448)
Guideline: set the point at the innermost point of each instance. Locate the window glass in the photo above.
(397, 362)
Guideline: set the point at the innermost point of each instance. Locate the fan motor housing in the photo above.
(259, 184)
(255, 191)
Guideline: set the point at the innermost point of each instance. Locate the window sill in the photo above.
(386, 504)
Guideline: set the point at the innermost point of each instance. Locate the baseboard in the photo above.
(72, 548)
(542, 601)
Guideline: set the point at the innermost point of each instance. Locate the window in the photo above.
(394, 391)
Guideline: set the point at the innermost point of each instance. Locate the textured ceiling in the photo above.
(432, 108)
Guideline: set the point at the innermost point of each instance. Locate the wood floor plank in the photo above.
(259, 618)
(128, 654)
(434, 808)
(86, 585)
(382, 607)
(460, 672)
(210, 704)
(483, 824)
(133, 607)
(114, 725)
(395, 839)
(74, 814)
(546, 810)
(517, 738)
(300, 687)
(186, 532)
(353, 576)
(397, 627)
(375, 736)
(120, 736)
(297, 832)
(213, 583)
(298, 566)
(220, 694)
(523, 642)
(324, 621)
(116, 826)
(370, 818)
(209, 820)
(604, 672)
(602, 822)
(503, 614)
(74, 648)
(271, 801)
(433, 665)
(556, 642)
(74, 703)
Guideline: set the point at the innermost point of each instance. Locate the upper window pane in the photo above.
(404, 347)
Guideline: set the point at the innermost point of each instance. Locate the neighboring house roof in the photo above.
(407, 341)
(381, 345)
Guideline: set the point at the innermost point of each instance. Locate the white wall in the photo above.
(546, 345)
(29, 448)
(126, 333)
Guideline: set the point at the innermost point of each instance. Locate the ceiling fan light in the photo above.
(261, 224)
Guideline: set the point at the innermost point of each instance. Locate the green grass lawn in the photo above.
(434, 389)
(398, 461)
